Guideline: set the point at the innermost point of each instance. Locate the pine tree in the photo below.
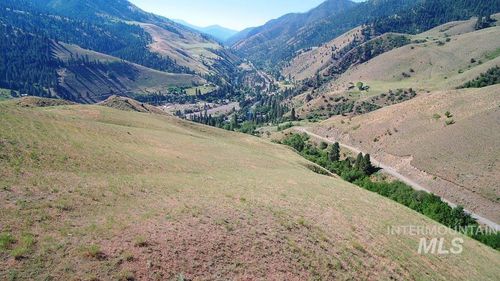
(367, 164)
(234, 122)
(359, 162)
(334, 154)
(294, 117)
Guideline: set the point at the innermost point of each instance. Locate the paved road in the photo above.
(393, 172)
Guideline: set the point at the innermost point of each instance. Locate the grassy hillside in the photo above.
(455, 156)
(90, 192)
(87, 81)
(442, 58)
(308, 63)
(187, 48)
(311, 61)
(441, 61)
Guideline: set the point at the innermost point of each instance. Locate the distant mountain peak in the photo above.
(277, 33)
(219, 32)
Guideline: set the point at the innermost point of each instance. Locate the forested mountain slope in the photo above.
(30, 29)
(275, 39)
(384, 16)
(87, 76)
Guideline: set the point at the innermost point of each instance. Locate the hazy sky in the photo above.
(235, 14)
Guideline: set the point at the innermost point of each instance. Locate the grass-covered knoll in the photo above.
(90, 192)
(5, 94)
(127, 104)
(40, 102)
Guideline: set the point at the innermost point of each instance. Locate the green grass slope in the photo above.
(95, 193)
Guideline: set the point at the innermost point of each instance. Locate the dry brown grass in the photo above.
(307, 64)
(187, 49)
(424, 66)
(114, 195)
(459, 160)
(94, 83)
(434, 66)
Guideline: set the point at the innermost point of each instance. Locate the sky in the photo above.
(234, 14)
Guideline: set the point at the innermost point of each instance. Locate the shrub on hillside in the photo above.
(491, 77)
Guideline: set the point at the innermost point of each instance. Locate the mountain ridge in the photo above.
(219, 32)
(275, 33)
(115, 28)
(383, 16)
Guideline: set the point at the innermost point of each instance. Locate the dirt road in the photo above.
(393, 172)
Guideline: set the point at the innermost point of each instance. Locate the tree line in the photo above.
(28, 63)
(428, 14)
(261, 109)
(359, 171)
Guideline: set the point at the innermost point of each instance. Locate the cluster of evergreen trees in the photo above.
(491, 77)
(235, 121)
(269, 109)
(207, 119)
(26, 63)
(257, 108)
(428, 14)
(484, 22)
(116, 38)
(162, 98)
(357, 53)
(349, 169)
(230, 122)
(359, 172)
